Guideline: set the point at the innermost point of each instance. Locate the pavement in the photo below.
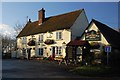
(35, 69)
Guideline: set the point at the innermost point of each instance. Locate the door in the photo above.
(24, 53)
(53, 52)
(29, 53)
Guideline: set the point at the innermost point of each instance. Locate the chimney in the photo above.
(41, 16)
(29, 21)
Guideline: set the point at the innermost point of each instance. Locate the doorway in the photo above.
(29, 53)
(53, 52)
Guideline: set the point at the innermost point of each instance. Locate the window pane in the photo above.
(56, 50)
(58, 35)
(40, 37)
(40, 51)
(60, 50)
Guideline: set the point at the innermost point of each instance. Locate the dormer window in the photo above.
(58, 35)
(49, 34)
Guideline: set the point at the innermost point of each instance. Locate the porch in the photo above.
(77, 51)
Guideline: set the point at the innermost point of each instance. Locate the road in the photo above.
(40, 69)
(33, 69)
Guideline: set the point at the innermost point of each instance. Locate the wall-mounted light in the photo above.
(86, 31)
(84, 47)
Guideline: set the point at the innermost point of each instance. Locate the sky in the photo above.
(59, 0)
(0, 12)
(16, 12)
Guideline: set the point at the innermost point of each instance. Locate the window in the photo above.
(40, 51)
(58, 50)
(41, 38)
(58, 35)
(24, 52)
(24, 40)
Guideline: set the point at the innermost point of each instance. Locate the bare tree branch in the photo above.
(18, 28)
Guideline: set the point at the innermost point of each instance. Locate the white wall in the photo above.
(94, 27)
(66, 37)
(80, 25)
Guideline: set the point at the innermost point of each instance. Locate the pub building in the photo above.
(90, 46)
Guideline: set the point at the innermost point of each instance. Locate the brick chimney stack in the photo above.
(41, 16)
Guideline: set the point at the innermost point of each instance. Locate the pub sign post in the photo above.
(108, 50)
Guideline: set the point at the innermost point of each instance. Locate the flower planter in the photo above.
(31, 43)
(95, 45)
(49, 41)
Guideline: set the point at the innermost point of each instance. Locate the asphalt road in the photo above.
(40, 69)
(33, 69)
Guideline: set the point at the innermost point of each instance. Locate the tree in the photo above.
(0, 46)
(18, 28)
(8, 45)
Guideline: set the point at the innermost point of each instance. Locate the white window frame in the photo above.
(58, 50)
(41, 51)
(24, 40)
(41, 36)
(58, 35)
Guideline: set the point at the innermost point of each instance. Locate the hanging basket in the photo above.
(95, 45)
(31, 43)
(49, 41)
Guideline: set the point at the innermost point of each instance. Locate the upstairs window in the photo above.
(58, 35)
(41, 38)
(24, 40)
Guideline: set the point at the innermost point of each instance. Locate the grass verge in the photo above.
(95, 71)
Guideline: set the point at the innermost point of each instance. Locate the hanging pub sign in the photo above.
(92, 35)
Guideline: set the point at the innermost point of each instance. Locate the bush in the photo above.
(114, 59)
(6, 55)
(45, 58)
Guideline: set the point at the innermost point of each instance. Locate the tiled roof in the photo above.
(77, 43)
(112, 36)
(63, 21)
